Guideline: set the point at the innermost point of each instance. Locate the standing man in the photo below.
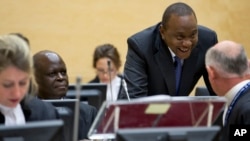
(175, 45)
(228, 72)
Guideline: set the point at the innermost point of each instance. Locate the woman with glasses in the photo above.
(106, 61)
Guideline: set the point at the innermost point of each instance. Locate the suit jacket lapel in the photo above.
(188, 70)
(165, 62)
(25, 108)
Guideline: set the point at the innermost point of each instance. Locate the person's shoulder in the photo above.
(207, 37)
(245, 98)
(30, 100)
(87, 108)
(33, 102)
(146, 32)
(36, 109)
(145, 39)
(95, 80)
(202, 28)
(88, 111)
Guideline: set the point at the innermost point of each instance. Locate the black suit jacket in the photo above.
(149, 68)
(35, 110)
(240, 115)
(86, 118)
(87, 114)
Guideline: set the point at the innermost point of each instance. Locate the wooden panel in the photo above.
(75, 28)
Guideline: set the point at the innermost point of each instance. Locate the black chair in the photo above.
(201, 91)
(91, 93)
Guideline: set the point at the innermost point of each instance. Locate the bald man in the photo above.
(52, 79)
(228, 70)
(51, 75)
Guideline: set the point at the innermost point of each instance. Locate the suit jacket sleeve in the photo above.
(36, 110)
(135, 71)
(87, 116)
(213, 40)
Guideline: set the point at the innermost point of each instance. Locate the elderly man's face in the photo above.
(52, 77)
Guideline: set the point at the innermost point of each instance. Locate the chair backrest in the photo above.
(201, 91)
(91, 93)
(66, 110)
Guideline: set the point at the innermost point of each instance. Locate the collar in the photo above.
(173, 55)
(234, 90)
(5, 109)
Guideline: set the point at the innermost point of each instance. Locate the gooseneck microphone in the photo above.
(110, 81)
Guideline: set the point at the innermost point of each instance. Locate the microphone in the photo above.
(124, 85)
(110, 81)
(78, 92)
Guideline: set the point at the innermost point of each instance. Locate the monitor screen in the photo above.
(92, 93)
(168, 134)
(51, 130)
(66, 110)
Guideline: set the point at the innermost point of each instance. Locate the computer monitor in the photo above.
(92, 93)
(168, 134)
(66, 110)
(51, 130)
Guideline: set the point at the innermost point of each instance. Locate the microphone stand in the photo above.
(124, 84)
(110, 81)
(76, 116)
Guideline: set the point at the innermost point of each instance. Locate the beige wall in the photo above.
(74, 28)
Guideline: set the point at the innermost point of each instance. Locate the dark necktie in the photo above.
(177, 73)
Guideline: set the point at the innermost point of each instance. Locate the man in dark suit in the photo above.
(52, 79)
(228, 71)
(150, 65)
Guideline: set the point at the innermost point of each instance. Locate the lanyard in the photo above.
(237, 96)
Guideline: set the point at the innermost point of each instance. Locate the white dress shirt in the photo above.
(13, 116)
(115, 85)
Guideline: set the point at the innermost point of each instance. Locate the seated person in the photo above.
(16, 105)
(227, 61)
(52, 80)
(106, 61)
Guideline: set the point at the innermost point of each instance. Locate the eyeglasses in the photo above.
(103, 72)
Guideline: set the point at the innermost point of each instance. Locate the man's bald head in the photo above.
(229, 48)
(229, 58)
(51, 75)
(44, 56)
(227, 65)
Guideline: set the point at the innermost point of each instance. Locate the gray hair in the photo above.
(228, 63)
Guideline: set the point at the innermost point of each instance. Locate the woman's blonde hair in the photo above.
(15, 51)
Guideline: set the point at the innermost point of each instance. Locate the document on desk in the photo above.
(153, 98)
(155, 108)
